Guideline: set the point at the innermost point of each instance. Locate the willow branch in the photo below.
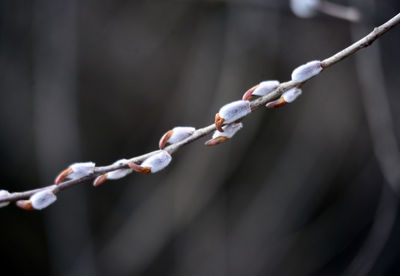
(199, 133)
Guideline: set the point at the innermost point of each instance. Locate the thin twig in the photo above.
(386, 150)
(199, 133)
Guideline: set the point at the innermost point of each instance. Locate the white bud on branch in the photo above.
(292, 94)
(4, 194)
(153, 164)
(117, 174)
(220, 137)
(175, 135)
(306, 71)
(81, 169)
(261, 89)
(229, 130)
(287, 97)
(231, 112)
(158, 161)
(42, 199)
(75, 171)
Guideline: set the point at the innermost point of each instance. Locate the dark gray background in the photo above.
(298, 191)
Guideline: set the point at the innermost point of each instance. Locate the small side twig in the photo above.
(199, 133)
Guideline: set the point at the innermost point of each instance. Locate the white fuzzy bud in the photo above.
(117, 174)
(81, 169)
(158, 161)
(234, 111)
(304, 8)
(306, 71)
(42, 199)
(291, 95)
(229, 130)
(261, 89)
(175, 135)
(180, 133)
(4, 194)
(266, 87)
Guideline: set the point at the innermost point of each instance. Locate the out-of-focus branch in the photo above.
(347, 13)
(199, 133)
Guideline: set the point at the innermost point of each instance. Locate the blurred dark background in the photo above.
(301, 190)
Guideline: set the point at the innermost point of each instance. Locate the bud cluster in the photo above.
(227, 124)
(227, 120)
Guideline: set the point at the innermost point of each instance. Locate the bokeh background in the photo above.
(308, 189)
